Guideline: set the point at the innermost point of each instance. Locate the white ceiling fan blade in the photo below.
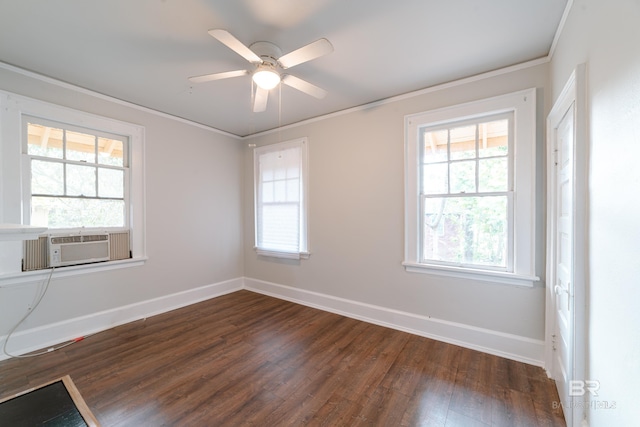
(235, 45)
(260, 100)
(218, 76)
(306, 53)
(303, 86)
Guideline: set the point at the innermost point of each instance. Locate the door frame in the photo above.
(574, 93)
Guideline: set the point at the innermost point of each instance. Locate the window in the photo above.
(466, 193)
(72, 172)
(470, 192)
(78, 176)
(280, 172)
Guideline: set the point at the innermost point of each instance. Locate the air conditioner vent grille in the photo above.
(95, 237)
(75, 249)
(79, 238)
(66, 239)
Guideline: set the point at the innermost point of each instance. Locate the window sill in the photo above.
(20, 232)
(280, 254)
(468, 273)
(8, 279)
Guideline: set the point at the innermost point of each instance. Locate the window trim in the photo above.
(13, 109)
(303, 252)
(523, 106)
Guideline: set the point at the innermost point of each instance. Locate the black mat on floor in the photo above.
(57, 404)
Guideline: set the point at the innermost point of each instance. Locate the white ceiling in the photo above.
(143, 51)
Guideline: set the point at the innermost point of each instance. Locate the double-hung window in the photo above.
(470, 190)
(76, 175)
(466, 196)
(280, 172)
(78, 178)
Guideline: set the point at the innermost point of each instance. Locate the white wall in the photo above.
(356, 219)
(193, 216)
(605, 35)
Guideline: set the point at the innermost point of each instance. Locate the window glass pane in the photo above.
(47, 177)
(44, 141)
(110, 183)
(466, 230)
(435, 146)
(493, 138)
(110, 152)
(293, 190)
(463, 177)
(493, 174)
(266, 169)
(280, 191)
(267, 192)
(434, 179)
(293, 171)
(54, 212)
(81, 180)
(463, 142)
(81, 147)
(279, 172)
(433, 211)
(436, 244)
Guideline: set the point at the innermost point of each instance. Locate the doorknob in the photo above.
(559, 290)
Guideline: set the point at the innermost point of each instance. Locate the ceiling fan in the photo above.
(269, 64)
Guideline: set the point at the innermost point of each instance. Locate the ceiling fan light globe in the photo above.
(266, 79)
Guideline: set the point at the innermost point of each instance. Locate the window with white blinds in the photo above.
(280, 199)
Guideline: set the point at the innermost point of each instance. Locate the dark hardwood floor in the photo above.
(248, 359)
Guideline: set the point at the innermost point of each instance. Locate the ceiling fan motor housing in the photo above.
(268, 52)
(266, 75)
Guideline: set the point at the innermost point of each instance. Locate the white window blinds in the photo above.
(280, 199)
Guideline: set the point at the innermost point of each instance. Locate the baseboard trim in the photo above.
(33, 339)
(515, 347)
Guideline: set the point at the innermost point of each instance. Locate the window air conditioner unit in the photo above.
(78, 249)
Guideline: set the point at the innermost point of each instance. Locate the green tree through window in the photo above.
(77, 177)
(465, 193)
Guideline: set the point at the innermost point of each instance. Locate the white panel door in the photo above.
(563, 344)
(567, 241)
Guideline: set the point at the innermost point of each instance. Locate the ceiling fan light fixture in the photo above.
(269, 64)
(266, 77)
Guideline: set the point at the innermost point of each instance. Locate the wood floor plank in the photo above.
(431, 398)
(245, 359)
(472, 396)
(384, 407)
(455, 419)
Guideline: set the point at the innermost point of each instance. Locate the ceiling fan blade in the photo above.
(303, 86)
(306, 53)
(260, 100)
(235, 45)
(218, 76)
